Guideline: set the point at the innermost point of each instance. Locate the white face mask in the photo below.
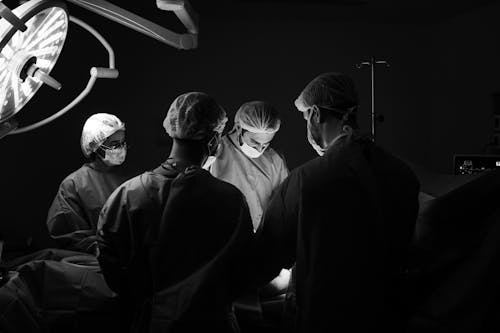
(250, 151)
(320, 150)
(114, 156)
(210, 160)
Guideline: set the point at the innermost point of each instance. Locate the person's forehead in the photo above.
(117, 136)
(260, 137)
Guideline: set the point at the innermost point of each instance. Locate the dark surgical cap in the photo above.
(329, 90)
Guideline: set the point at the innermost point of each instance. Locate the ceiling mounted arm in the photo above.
(182, 9)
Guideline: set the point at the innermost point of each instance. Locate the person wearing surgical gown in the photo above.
(345, 219)
(246, 160)
(174, 242)
(73, 215)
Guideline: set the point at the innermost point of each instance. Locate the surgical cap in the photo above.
(258, 117)
(329, 90)
(97, 129)
(194, 116)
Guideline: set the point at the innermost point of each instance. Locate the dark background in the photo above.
(437, 96)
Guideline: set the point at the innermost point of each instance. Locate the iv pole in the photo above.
(374, 117)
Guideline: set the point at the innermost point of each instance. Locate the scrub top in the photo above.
(256, 178)
(72, 217)
(176, 246)
(346, 219)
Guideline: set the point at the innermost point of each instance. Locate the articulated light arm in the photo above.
(181, 8)
(95, 73)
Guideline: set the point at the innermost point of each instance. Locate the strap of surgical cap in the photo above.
(258, 130)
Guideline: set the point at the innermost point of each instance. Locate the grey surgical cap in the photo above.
(194, 116)
(258, 117)
(329, 90)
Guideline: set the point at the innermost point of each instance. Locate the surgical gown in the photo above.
(346, 219)
(256, 178)
(175, 247)
(73, 215)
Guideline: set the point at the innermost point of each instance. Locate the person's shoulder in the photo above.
(220, 187)
(275, 155)
(75, 177)
(397, 166)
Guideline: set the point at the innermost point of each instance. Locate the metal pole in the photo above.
(372, 65)
(372, 62)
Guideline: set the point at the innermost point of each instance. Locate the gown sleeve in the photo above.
(113, 239)
(66, 221)
(276, 238)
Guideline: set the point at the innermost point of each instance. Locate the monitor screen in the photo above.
(474, 164)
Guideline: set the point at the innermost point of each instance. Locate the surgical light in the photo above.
(27, 57)
(33, 34)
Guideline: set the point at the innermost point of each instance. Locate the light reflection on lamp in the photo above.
(26, 58)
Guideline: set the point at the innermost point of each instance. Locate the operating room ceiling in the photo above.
(396, 11)
(373, 10)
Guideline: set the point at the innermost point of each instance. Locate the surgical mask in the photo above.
(213, 148)
(210, 160)
(312, 141)
(320, 150)
(250, 151)
(115, 156)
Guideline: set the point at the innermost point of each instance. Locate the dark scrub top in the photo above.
(175, 246)
(73, 215)
(346, 219)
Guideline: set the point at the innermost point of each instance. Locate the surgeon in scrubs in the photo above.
(246, 160)
(175, 242)
(345, 218)
(72, 217)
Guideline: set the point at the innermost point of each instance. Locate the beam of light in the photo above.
(54, 27)
(7, 51)
(2, 76)
(38, 28)
(16, 40)
(26, 87)
(55, 13)
(38, 33)
(51, 39)
(44, 51)
(14, 86)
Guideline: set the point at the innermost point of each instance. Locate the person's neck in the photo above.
(187, 152)
(332, 133)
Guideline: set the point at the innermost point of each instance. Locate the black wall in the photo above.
(436, 96)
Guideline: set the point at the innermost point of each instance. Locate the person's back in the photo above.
(351, 255)
(172, 241)
(346, 219)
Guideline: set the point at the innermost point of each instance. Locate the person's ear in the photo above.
(347, 129)
(316, 114)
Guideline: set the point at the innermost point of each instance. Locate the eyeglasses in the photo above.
(115, 145)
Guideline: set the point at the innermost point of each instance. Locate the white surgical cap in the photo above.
(97, 129)
(329, 90)
(194, 116)
(258, 117)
